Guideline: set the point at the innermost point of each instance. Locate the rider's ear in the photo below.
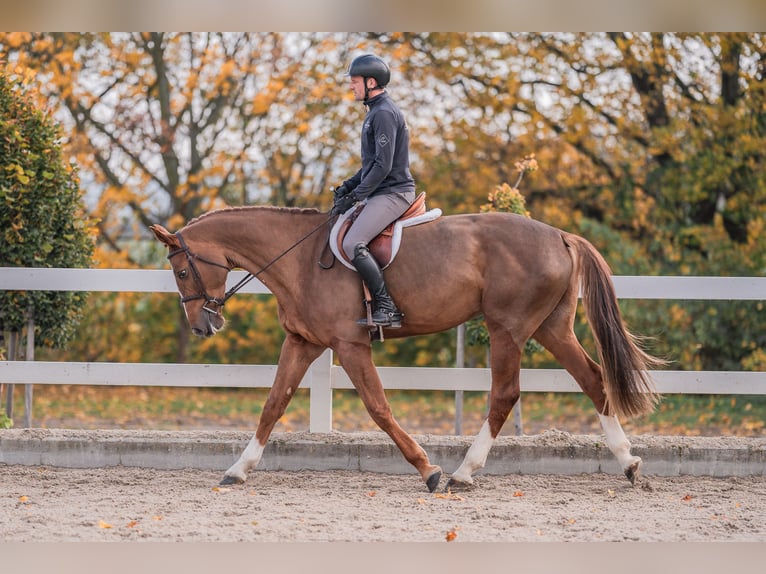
(165, 236)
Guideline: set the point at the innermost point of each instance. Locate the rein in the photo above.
(221, 301)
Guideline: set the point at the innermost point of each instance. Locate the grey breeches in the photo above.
(379, 212)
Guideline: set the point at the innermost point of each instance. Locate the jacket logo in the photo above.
(383, 140)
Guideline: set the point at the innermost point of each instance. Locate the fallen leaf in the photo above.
(610, 492)
(687, 498)
(23, 498)
(421, 500)
(518, 493)
(371, 493)
(157, 517)
(219, 489)
(132, 524)
(448, 496)
(102, 524)
(452, 534)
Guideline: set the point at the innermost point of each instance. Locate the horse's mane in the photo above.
(251, 208)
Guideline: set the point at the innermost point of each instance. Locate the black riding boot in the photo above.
(385, 313)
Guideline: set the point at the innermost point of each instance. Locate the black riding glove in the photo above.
(340, 191)
(343, 203)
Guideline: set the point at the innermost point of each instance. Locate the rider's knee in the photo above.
(352, 249)
(360, 250)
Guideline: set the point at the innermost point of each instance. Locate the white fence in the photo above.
(323, 376)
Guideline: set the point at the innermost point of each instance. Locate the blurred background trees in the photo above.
(650, 145)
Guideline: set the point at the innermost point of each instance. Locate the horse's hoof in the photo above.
(633, 472)
(432, 482)
(228, 479)
(453, 484)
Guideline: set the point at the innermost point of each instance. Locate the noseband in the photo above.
(190, 257)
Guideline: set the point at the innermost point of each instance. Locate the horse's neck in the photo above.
(255, 239)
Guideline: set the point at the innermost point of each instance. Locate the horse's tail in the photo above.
(628, 387)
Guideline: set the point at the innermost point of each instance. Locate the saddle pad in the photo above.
(396, 238)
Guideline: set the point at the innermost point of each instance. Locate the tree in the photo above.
(42, 216)
(42, 219)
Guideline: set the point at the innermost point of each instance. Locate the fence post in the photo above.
(320, 401)
(28, 390)
(13, 340)
(459, 363)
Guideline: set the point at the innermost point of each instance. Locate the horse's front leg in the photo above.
(294, 360)
(505, 391)
(356, 359)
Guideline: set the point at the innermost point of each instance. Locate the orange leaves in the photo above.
(449, 496)
(104, 525)
(451, 534)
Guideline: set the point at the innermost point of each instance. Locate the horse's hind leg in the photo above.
(557, 336)
(356, 359)
(505, 391)
(294, 360)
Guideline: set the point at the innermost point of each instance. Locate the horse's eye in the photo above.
(183, 273)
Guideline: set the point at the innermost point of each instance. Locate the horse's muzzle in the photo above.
(208, 324)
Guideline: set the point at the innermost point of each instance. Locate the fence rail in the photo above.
(324, 377)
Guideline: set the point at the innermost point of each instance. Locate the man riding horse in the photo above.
(384, 181)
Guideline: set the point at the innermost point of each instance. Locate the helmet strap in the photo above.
(367, 89)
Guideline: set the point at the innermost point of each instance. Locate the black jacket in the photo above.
(385, 151)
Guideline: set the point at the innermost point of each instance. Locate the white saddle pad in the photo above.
(396, 239)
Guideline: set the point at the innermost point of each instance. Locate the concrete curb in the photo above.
(552, 452)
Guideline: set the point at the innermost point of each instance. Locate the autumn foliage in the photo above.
(650, 145)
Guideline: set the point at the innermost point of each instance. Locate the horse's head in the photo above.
(201, 280)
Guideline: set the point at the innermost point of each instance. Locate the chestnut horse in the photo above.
(524, 276)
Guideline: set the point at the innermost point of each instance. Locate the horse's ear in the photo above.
(165, 236)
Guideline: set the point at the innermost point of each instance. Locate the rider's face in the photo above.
(357, 86)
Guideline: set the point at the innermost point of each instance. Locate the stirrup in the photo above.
(392, 320)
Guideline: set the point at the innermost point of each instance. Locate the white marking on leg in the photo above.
(617, 442)
(249, 459)
(476, 457)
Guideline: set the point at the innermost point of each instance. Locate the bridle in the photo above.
(203, 294)
(221, 301)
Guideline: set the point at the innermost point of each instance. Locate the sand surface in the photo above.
(45, 504)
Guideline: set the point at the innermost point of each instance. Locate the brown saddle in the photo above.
(382, 246)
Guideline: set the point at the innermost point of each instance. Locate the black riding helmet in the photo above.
(370, 66)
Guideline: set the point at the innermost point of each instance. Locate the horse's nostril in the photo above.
(198, 332)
